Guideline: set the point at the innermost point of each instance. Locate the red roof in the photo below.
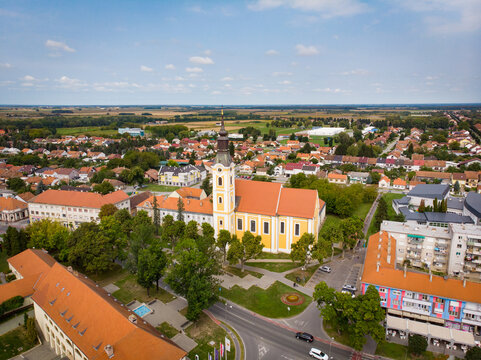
(77, 198)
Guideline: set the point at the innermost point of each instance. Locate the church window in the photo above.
(231, 179)
(220, 181)
(220, 222)
(220, 199)
(297, 230)
(283, 227)
(239, 224)
(266, 227)
(253, 226)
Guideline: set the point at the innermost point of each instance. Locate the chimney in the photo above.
(430, 275)
(133, 319)
(109, 350)
(188, 201)
(405, 270)
(377, 266)
(200, 203)
(69, 269)
(464, 282)
(75, 272)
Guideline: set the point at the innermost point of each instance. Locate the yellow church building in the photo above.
(279, 215)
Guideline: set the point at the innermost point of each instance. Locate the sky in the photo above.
(239, 52)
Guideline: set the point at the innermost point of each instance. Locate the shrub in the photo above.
(11, 304)
(417, 344)
(10, 277)
(473, 354)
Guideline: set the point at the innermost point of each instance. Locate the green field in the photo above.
(362, 210)
(266, 302)
(130, 290)
(160, 188)
(274, 266)
(14, 342)
(238, 272)
(87, 130)
(304, 275)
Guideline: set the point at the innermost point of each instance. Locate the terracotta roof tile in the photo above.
(7, 204)
(204, 206)
(257, 197)
(298, 203)
(77, 198)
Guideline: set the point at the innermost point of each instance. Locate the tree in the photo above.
(300, 249)
(49, 235)
(151, 264)
(156, 215)
(104, 188)
(422, 206)
(141, 237)
(435, 205)
(249, 248)
(417, 344)
(107, 210)
(473, 353)
(231, 149)
(180, 209)
(381, 213)
(172, 230)
(40, 188)
(223, 239)
(206, 186)
(14, 241)
(16, 184)
(136, 176)
(90, 249)
(193, 276)
(352, 232)
(457, 187)
(172, 163)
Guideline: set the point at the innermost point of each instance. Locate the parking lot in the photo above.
(343, 271)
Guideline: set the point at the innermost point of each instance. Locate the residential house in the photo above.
(12, 210)
(337, 178)
(399, 184)
(385, 182)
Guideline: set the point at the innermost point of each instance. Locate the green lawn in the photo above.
(274, 266)
(266, 302)
(333, 220)
(130, 290)
(340, 338)
(109, 277)
(204, 331)
(13, 343)
(3, 262)
(392, 350)
(86, 130)
(362, 210)
(268, 255)
(160, 188)
(304, 275)
(167, 329)
(237, 272)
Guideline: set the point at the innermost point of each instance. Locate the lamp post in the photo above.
(330, 343)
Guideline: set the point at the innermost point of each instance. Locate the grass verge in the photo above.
(400, 352)
(304, 275)
(237, 272)
(274, 266)
(130, 290)
(14, 342)
(268, 255)
(167, 329)
(203, 331)
(266, 302)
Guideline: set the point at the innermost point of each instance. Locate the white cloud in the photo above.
(227, 85)
(431, 78)
(169, 67)
(70, 83)
(58, 45)
(304, 50)
(272, 52)
(355, 72)
(197, 9)
(28, 78)
(207, 52)
(5, 65)
(227, 78)
(215, 92)
(447, 17)
(201, 60)
(281, 73)
(284, 82)
(179, 78)
(193, 69)
(146, 68)
(326, 8)
(334, 91)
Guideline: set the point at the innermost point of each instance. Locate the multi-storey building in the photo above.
(79, 319)
(415, 295)
(71, 208)
(454, 250)
(181, 175)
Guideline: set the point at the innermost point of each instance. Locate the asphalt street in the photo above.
(266, 339)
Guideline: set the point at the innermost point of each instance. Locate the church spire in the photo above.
(223, 155)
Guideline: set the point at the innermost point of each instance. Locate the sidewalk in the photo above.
(13, 323)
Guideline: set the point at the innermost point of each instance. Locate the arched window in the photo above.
(220, 199)
(220, 181)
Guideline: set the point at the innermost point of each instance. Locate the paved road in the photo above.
(266, 339)
(390, 146)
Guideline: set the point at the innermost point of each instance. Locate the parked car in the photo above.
(349, 287)
(318, 354)
(344, 291)
(325, 268)
(305, 336)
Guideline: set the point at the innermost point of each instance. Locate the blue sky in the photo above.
(240, 52)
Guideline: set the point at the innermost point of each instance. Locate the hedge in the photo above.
(11, 304)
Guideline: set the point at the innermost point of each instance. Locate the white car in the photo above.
(318, 354)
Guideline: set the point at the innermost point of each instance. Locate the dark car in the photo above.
(305, 336)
